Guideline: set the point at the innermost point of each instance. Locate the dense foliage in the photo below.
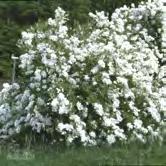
(17, 15)
(95, 85)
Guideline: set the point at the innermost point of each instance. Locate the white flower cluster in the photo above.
(60, 104)
(102, 85)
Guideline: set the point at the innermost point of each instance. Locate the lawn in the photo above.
(133, 154)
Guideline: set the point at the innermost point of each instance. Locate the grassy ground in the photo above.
(134, 154)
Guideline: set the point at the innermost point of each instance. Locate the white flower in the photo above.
(6, 87)
(79, 106)
(27, 37)
(109, 121)
(154, 113)
(51, 22)
(120, 133)
(106, 78)
(64, 127)
(38, 75)
(98, 108)
(116, 103)
(83, 135)
(130, 126)
(137, 123)
(140, 137)
(76, 119)
(111, 139)
(101, 63)
(95, 69)
(92, 134)
(63, 110)
(53, 37)
(60, 104)
(86, 77)
(54, 103)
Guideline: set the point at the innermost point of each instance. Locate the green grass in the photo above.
(134, 154)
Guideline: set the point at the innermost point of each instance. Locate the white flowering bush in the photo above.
(102, 84)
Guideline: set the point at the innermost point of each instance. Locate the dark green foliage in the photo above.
(14, 17)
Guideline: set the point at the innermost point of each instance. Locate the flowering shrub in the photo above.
(104, 84)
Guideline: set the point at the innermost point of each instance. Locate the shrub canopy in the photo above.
(98, 84)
